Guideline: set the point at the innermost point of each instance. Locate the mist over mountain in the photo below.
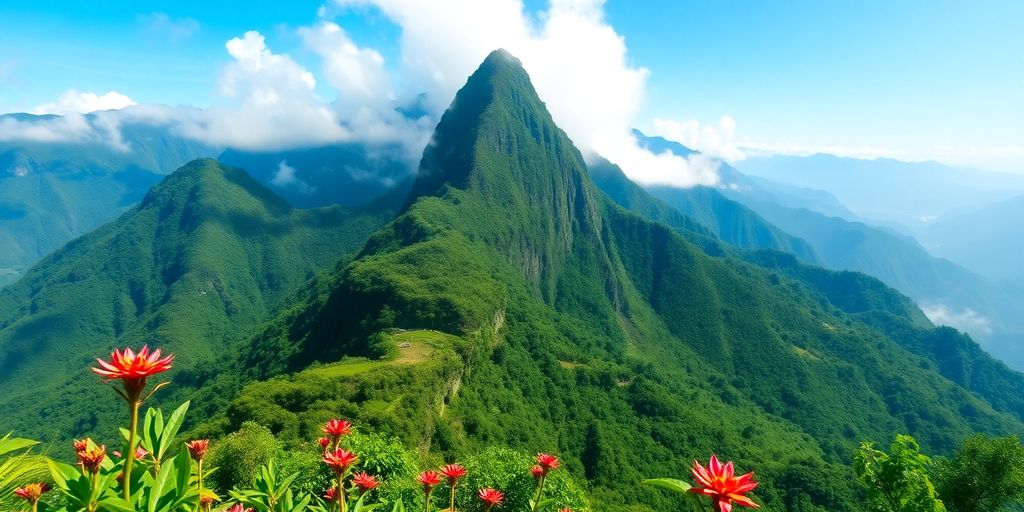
(909, 193)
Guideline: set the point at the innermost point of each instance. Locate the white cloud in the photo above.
(715, 140)
(285, 177)
(577, 62)
(966, 319)
(271, 103)
(73, 101)
(158, 23)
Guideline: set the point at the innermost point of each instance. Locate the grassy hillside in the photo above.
(196, 267)
(579, 327)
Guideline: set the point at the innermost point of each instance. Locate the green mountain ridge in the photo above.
(52, 192)
(576, 326)
(203, 260)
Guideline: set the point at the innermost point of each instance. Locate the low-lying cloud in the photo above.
(966, 319)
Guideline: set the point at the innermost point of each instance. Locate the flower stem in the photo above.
(426, 506)
(453, 496)
(342, 500)
(540, 494)
(199, 477)
(133, 427)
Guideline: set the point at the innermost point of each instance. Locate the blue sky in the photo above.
(911, 78)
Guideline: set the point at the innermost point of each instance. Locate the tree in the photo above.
(984, 474)
(897, 481)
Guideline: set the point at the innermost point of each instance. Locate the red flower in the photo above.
(205, 501)
(331, 494)
(323, 442)
(566, 509)
(197, 448)
(337, 428)
(720, 484)
(537, 472)
(547, 462)
(237, 507)
(364, 481)
(340, 460)
(80, 444)
(131, 367)
(32, 492)
(453, 472)
(92, 458)
(491, 497)
(429, 479)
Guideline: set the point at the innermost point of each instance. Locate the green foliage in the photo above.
(983, 474)
(272, 492)
(18, 467)
(239, 456)
(197, 267)
(509, 471)
(897, 481)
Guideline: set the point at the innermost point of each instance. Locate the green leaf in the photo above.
(115, 504)
(398, 507)
(9, 444)
(169, 430)
(671, 484)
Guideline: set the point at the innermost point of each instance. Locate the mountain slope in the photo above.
(576, 326)
(988, 240)
(697, 210)
(51, 192)
(203, 260)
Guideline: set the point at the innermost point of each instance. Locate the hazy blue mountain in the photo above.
(989, 240)
(886, 189)
(51, 192)
(349, 174)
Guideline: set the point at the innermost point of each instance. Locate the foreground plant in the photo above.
(545, 464)
(717, 481)
(428, 479)
(453, 472)
(132, 369)
(32, 492)
(490, 498)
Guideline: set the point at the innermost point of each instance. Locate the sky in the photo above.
(912, 79)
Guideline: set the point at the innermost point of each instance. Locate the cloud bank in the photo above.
(268, 101)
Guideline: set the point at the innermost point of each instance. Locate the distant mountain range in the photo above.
(842, 240)
(911, 194)
(51, 192)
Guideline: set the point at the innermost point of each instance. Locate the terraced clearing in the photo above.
(414, 347)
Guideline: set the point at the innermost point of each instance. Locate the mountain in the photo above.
(950, 293)
(512, 302)
(205, 258)
(51, 192)
(697, 210)
(879, 188)
(988, 240)
(348, 174)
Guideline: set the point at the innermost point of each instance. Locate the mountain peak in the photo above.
(498, 94)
